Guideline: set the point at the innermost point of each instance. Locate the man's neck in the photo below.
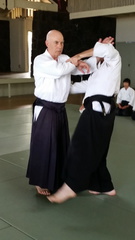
(53, 56)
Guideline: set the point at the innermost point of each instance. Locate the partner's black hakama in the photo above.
(49, 144)
(86, 162)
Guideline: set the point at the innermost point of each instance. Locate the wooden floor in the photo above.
(26, 100)
(16, 102)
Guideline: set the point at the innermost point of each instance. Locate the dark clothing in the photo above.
(133, 115)
(86, 162)
(124, 112)
(49, 143)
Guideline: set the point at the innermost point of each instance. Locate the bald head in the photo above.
(55, 43)
(52, 34)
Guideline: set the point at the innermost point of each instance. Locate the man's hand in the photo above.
(83, 67)
(124, 107)
(74, 60)
(119, 105)
(107, 40)
(127, 106)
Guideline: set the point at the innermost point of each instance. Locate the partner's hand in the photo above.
(107, 40)
(83, 67)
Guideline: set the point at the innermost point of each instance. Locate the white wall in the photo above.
(125, 43)
(19, 55)
(19, 44)
(125, 29)
(17, 89)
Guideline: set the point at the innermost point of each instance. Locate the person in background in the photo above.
(125, 99)
(133, 112)
(86, 167)
(50, 133)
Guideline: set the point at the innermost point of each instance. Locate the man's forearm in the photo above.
(89, 52)
(84, 54)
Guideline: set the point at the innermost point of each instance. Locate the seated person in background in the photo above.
(125, 99)
(133, 112)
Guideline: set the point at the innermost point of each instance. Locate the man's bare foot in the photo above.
(111, 193)
(62, 195)
(43, 191)
(94, 192)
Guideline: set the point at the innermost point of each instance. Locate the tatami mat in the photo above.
(24, 215)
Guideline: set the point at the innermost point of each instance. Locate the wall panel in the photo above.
(87, 5)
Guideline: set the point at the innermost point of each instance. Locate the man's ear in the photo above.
(46, 43)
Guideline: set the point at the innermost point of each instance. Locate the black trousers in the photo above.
(124, 112)
(133, 115)
(86, 166)
(49, 144)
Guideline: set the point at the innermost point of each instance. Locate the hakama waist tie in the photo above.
(58, 107)
(101, 99)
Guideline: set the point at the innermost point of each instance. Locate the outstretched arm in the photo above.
(89, 52)
(75, 59)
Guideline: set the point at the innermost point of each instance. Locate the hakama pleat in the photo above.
(49, 144)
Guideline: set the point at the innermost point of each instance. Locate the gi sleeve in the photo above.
(119, 97)
(134, 104)
(79, 87)
(132, 98)
(51, 68)
(108, 52)
(92, 62)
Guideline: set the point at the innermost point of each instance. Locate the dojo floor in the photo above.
(24, 215)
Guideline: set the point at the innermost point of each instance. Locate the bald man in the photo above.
(50, 134)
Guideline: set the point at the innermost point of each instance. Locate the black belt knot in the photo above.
(99, 98)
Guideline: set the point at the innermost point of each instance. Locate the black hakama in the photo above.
(133, 115)
(86, 161)
(124, 112)
(49, 144)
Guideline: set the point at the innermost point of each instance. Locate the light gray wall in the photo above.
(85, 5)
(127, 52)
(17, 89)
(19, 44)
(125, 43)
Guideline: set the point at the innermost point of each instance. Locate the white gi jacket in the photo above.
(105, 79)
(52, 78)
(134, 105)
